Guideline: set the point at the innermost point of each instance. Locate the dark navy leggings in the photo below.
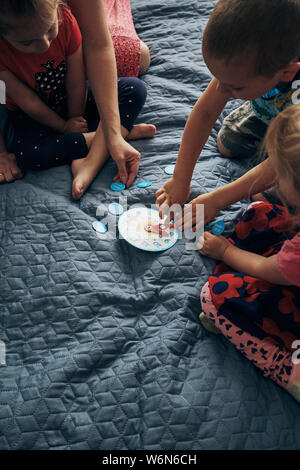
(37, 147)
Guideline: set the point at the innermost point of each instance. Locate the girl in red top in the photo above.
(253, 297)
(48, 120)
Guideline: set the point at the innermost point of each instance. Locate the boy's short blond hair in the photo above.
(265, 32)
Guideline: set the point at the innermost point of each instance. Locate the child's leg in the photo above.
(260, 227)
(241, 133)
(132, 96)
(138, 131)
(276, 362)
(37, 147)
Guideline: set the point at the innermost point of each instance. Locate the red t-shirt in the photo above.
(45, 73)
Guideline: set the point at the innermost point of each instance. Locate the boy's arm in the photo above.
(30, 103)
(197, 130)
(76, 84)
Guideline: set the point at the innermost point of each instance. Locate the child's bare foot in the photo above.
(208, 324)
(84, 171)
(141, 131)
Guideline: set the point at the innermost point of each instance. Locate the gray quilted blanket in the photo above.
(103, 346)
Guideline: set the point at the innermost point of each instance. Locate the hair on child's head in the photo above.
(11, 10)
(264, 32)
(282, 144)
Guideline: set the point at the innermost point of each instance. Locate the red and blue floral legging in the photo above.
(262, 320)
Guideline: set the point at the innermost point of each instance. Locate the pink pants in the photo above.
(272, 359)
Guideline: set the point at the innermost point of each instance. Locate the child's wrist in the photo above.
(182, 178)
(220, 198)
(225, 251)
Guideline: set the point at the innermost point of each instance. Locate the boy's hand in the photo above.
(173, 191)
(188, 219)
(9, 170)
(75, 124)
(213, 246)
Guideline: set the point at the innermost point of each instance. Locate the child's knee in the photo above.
(223, 151)
(138, 91)
(144, 58)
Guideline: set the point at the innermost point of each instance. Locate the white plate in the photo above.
(132, 228)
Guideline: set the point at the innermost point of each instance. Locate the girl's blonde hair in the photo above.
(282, 144)
(19, 9)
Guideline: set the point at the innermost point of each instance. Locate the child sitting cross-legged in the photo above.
(253, 297)
(48, 120)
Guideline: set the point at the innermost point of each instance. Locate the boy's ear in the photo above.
(288, 73)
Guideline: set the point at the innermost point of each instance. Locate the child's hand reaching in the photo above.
(75, 124)
(173, 192)
(213, 246)
(211, 204)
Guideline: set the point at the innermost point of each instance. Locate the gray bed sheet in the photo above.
(104, 349)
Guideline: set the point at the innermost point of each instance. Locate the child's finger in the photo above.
(163, 209)
(168, 219)
(160, 199)
(186, 220)
(132, 173)
(200, 242)
(182, 217)
(198, 226)
(123, 175)
(159, 192)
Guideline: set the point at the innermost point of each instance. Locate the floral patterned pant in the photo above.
(262, 320)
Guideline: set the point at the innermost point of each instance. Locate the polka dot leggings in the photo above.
(37, 147)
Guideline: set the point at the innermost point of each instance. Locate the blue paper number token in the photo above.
(169, 169)
(270, 94)
(144, 184)
(99, 227)
(115, 208)
(218, 228)
(117, 186)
